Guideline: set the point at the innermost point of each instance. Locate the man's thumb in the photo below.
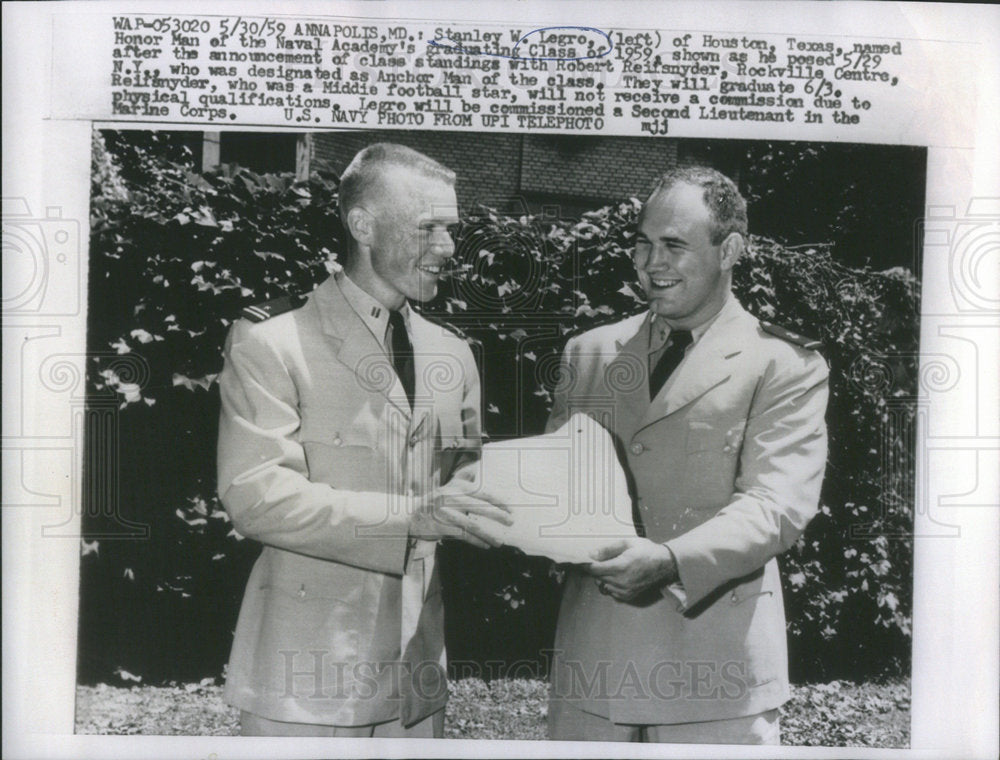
(608, 551)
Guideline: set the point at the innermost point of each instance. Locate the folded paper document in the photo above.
(566, 491)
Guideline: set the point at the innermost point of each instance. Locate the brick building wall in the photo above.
(599, 168)
(576, 172)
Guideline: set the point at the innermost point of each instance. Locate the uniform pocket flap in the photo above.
(707, 436)
(308, 578)
(703, 436)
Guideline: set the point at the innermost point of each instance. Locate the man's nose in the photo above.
(659, 258)
(444, 243)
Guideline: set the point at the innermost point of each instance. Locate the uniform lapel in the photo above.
(707, 364)
(425, 358)
(357, 348)
(626, 375)
(426, 398)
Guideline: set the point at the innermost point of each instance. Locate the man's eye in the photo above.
(432, 227)
(454, 230)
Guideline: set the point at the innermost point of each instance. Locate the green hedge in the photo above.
(174, 257)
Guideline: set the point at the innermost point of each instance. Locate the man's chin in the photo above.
(424, 294)
(662, 308)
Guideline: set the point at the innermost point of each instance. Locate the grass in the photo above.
(834, 714)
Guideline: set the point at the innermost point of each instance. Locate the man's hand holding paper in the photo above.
(627, 568)
(566, 492)
(448, 513)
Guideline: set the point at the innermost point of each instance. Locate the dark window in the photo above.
(259, 151)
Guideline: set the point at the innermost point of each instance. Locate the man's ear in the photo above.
(361, 225)
(731, 249)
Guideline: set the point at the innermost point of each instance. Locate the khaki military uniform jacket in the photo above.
(725, 464)
(341, 622)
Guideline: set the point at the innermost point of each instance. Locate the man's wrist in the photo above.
(671, 574)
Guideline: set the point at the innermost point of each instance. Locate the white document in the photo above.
(566, 491)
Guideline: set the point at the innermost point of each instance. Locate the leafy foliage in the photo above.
(172, 265)
(845, 714)
(865, 199)
(834, 714)
(175, 258)
(850, 195)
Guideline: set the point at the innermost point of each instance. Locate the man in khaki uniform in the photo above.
(679, 635)
(342, 412)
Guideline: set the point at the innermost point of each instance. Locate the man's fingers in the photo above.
(615, 590)
(609, 551)
(492, 498)
(474, 541)
(452, 524)
(489, 511)
(476, 505)
(469, 527)
(480, 539)
(614, 585)
(474, 499)
(451, 517)
(608, 568)
(462, 488)
(467, 473)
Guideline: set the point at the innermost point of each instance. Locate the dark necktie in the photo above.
(679, 340)
(402, 354)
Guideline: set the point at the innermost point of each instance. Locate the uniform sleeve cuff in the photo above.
(675, 590)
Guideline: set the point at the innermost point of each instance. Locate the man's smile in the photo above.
(432, 269)
(664, 283)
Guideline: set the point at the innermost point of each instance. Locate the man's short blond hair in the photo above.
(365, 176)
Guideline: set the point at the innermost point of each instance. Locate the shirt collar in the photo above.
(372, 313)
(659, 330)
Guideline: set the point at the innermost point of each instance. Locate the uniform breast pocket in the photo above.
(345, 466)
(344, 446)
(711, 454)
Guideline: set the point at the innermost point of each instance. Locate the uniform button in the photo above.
(336, 440)
(637, 448)
(302, 591)
(727, 449)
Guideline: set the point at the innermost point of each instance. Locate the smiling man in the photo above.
(679, 635)
(342, 412)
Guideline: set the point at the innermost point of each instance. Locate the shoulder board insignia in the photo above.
(261, 311)
(791, 337)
